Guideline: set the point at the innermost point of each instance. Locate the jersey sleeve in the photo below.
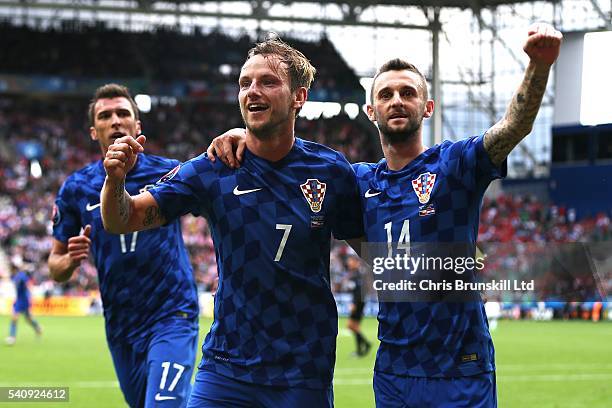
(362, 172)
(184, 189)
(469, 162)
(66, 217)
(349, 220)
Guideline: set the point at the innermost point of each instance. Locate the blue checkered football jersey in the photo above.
(438, 197)
(275, 317)
(144, 276)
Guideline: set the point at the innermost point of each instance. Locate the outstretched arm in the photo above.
(122, 213)
(542, 47)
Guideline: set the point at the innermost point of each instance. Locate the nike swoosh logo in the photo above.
(369, 195)
(241, 192)
(163, 398)
(90, 207)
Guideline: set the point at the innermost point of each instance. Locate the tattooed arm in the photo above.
(542, 47)
(122, 213)
(518, 120)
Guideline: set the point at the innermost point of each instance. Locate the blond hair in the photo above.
(299, 69)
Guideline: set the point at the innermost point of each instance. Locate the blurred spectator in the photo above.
(181, 131)
(163, 54)
(207, 64)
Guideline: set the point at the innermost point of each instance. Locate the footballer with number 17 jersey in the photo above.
(146, 283)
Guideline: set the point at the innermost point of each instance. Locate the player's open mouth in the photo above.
(117, 135)
(257, 107)
(398, 116)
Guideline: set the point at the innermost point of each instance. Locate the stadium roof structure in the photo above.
(351, 15)
(346, 13)
(352, 10)
(461, 4)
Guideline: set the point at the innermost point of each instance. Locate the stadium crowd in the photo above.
(44, 139)
(528, 239)
(57, 140)
(198, 63)
(53, 133)
(509, 218)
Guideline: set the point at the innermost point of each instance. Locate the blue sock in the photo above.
(35, 326)
(13, 329)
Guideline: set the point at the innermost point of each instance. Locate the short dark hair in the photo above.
(398, 64)
(299, 69)
(110, 91)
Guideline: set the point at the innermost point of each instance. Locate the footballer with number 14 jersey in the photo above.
(436, 198)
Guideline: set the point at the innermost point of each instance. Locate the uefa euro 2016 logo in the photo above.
(314, 192)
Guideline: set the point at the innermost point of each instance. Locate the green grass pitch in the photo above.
(540, 364)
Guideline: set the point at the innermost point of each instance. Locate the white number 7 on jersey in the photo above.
(281, 247)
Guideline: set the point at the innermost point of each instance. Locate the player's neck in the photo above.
(399, 154)
(271, 147)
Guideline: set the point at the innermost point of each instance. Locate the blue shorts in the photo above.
(215, 390)
(157, 371)
(394, 391)
(21, 306)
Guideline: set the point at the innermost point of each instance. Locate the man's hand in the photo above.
(122, 213)
(64, 258)
(121, 156)
(543, 44)
(78, 247)
(229, 147)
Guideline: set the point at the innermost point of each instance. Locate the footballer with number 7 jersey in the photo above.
(433, 354)
(146, 281)
(273, 340)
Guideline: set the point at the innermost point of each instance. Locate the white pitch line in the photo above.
(96, 384)
(70, 384)
(345, 333)
(555, 377)
(551, 366)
